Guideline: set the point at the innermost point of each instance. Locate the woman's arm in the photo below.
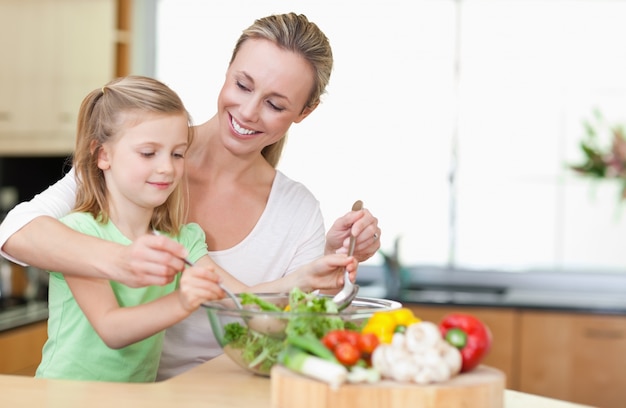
(55, 202)
(122, 326)
(31, 234)
(51, 245)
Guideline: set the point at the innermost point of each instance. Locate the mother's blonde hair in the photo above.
(293, 32)
(102, 115)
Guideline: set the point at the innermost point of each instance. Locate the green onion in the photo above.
(303, 363)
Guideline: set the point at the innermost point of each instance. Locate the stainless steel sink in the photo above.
(573, 290)
(453, 294)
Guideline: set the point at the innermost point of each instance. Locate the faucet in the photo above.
(395, 274)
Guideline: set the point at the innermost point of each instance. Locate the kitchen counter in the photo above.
(218, 383)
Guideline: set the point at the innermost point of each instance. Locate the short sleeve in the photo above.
(193, 238)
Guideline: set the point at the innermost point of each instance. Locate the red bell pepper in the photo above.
(470, 335)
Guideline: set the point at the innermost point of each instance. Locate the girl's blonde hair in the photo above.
(100, 118)
(293, 32)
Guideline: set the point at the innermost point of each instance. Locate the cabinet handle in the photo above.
(606, 334)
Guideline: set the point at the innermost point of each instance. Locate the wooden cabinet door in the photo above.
(574, 357)
(21, 349)
(54, 53)
(501, 322)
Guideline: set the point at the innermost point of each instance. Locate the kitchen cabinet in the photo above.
(21, 349)
(54, 53)
(503, 326)
(574, 357)
(571, 356)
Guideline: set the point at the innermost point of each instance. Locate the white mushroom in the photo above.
(428, 357)
(383, 359)
(422, 335)
(398, 340)
(404, 370)
(452, 356)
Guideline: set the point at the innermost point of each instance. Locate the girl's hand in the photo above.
(363, 225)
(199, 284)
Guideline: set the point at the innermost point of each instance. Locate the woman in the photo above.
(260, 225)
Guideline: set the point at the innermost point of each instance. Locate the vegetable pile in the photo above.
(394, 345)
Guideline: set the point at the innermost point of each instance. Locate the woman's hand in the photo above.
(363, 225)
(327, 273)
(150, 260)
(198, 284)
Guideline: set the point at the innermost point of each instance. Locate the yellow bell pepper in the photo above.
(385, 324)
(404, 317)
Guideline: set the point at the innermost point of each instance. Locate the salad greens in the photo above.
(259, 351)
(250, 299)
(310, 318)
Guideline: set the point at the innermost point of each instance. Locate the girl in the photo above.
(131, 142)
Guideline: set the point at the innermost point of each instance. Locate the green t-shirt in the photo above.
(74, 350)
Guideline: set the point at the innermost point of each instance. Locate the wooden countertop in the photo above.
(218, 383)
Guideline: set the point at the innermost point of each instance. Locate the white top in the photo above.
(289, 234)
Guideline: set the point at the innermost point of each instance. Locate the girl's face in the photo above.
(265, 91)
(144, 162)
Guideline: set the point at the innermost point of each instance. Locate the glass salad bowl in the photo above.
(254, 335)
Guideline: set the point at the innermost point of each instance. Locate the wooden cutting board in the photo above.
(482, 387)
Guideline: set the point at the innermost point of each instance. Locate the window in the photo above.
(454, 121)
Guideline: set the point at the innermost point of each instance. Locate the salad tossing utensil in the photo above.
(350, 290)
(228, 292)
(231, 295)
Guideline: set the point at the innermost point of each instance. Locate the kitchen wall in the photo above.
(453, 120)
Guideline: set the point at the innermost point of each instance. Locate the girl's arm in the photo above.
(325, 273)
(54, 246)
(122, 326)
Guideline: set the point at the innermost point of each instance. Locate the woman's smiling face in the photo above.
(265, 91)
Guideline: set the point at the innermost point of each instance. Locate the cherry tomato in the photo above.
(367, 343)
(347, 354)
(333, 338)
(351, 337)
